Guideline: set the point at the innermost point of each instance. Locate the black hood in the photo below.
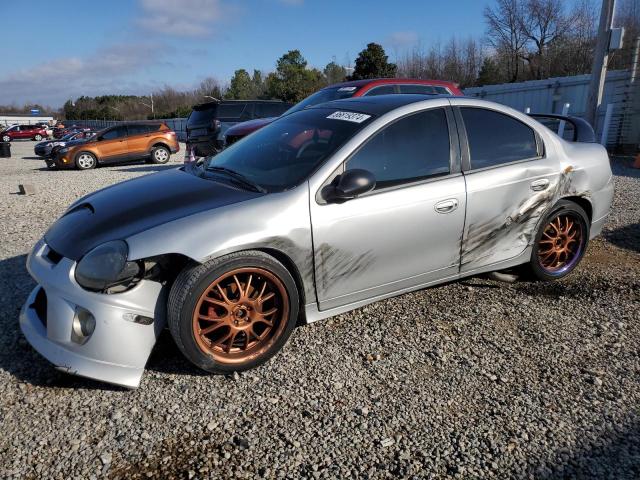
(130, 207)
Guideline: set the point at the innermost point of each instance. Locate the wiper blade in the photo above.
(238, 177)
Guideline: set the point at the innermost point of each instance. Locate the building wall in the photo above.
(24, 119)
(550, 95)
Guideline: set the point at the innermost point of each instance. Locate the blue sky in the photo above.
(134, 46)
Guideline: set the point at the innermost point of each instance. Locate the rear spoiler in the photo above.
(582, 130)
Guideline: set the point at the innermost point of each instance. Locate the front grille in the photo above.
(53, 256)
(40, 306)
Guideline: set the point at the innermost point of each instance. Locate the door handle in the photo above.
(539, 185)
(446, 206)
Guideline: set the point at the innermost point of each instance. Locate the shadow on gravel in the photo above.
(17, 357)
(166, 358)
(614, 456)
(150, 168)
(627, 237)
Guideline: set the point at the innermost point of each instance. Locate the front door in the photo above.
(407, 231)
(511, 183)
(112, 145)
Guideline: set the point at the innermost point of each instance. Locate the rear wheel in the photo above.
(37, 138)
(561, 242)
(86, 161)
(160, 154)
(233, 313)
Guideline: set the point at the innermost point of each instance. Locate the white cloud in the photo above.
(402, 39)
(108, 70)
(185, 18)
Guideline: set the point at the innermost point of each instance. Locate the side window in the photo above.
(138, 129)
(442, 90)
(496, 138)
(383, 90)
(117, 132)
(420, 89)
(413, 148)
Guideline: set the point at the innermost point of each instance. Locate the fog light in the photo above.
(84, 323)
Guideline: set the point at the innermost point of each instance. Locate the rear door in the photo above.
(112, 145)
(138, 139)
(510, 179)
(404, 233)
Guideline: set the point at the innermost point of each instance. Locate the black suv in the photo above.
(208, 121)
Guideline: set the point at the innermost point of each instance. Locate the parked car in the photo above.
(356, 88)
(208, 122)
(59, 132)
(46, 148)
(152, 141)
(402, 191)
(23, 132)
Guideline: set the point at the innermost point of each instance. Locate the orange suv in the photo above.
(151, 141)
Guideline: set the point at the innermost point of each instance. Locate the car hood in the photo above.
(124, 209)
(245, 128)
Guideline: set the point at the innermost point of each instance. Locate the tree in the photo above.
(505, 35)
(334, 73)
(489, 73)
(209, 87)
(373, 62)
(240, 87)
(292, 81)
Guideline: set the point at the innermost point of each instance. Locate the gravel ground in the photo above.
(471, 379)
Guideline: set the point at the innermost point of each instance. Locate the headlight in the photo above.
(105, 266)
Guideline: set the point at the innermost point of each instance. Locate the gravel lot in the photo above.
(471, 379)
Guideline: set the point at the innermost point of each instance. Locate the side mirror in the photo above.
(349, 185)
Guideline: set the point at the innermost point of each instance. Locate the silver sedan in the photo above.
(321, 212)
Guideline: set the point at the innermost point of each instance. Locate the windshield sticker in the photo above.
(346, 89)
(349, 116)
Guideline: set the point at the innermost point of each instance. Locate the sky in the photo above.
(55, 51)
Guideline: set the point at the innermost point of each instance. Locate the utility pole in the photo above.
(600, 60)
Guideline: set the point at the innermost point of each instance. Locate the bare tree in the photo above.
(505, 34)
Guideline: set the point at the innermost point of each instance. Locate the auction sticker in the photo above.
(349, 116)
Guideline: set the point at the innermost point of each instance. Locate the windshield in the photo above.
(286, 152)
(324, 95)
(68, 136)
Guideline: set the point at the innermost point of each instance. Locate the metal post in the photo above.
(606, 125)
(565, 111)
(600, 60)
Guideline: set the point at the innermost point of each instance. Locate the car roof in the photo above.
(379, 104)
(392, 81)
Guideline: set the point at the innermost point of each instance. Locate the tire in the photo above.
(160, 154)
(6, 138)
(248, 329)
(560, 242)
(37, 138)
(86, 161)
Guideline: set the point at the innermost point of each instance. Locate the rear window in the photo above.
(230, 112)
(202, 115)
(324, 95)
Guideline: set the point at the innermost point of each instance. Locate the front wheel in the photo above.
(37, 138)
(85, 161)
(160, 154)
(233, 313)
(6, 138)
(560, 242)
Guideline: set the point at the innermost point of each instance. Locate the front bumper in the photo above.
(118, 349)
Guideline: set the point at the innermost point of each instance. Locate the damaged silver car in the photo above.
(321, 212)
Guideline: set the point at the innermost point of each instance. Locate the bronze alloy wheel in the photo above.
(240, 315)
(561, 244)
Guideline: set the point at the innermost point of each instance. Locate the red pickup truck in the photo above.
(355, 88)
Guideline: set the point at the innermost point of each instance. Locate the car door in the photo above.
(22, 132)
(137, 140)
(112, 145)
(407, 231)
(511, 180)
